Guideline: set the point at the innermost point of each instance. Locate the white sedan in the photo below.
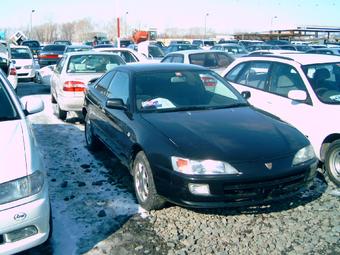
(24, 201)
(72, 74)
(129, 55)
(23, 60)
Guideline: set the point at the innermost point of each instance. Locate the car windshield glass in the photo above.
(54, 47)
(325, 81)
(7, 108)
(156, 52)
(184, 90)
(93, 63)
(20, 53)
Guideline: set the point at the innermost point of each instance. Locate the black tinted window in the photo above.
(7, 109)
(254, 75)
(54, 47)
(104, 83)
(119, 87)
(233, 74)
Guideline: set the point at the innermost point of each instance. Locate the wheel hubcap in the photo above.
(141, 182)
(334, 162)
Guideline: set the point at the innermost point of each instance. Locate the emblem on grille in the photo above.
(269, 165)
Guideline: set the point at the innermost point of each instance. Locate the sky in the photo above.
(221, 16)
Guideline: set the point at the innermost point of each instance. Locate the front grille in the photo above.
(22, 74)
(262, 190)
(18, 67)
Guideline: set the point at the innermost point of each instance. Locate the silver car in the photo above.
(24, 201)
(72, 74)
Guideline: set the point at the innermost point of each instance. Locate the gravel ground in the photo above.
(308, 223)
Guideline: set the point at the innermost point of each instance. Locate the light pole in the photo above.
(126, 30)
(271, 23)
(31, 21)
(205, 25)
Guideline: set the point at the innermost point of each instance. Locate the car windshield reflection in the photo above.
(186, 90)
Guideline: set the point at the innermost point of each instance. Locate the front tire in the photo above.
(144, 184)
(332, 162)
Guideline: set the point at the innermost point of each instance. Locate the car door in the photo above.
(284, 78)
(56, 86)
(251, 76)
(97, 99)
(118, 122)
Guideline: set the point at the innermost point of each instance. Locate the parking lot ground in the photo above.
(95, 210)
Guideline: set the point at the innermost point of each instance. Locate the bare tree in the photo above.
(67, 31)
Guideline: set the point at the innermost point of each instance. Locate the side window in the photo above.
(233, 74)
(167, 59)
(60, 65)
(104, 83)
(285, 78)
(177, 59)
(119, 87)
(255, 75)
(223, 60)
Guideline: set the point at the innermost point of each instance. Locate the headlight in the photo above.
(303, 155)
(204, 167)
(28, 67)
(20, 188)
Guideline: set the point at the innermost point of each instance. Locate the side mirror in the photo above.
(116, 103)
(32, 105)
(246, 94)
(92, 81)
(298, 95)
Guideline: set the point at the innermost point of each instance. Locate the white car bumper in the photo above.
(31, 219)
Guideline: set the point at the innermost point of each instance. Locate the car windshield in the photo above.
(184, 90)
(325, 81)
(93, 63)
(54, 47)
(20, 53)
(155, 51)
(7, 108)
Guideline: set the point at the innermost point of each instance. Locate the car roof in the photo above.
(302, 58)
(79, 46)
(19, 46)
(138, 67)
(184, 52)
(92, 52)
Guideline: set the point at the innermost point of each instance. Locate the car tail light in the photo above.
(48, 56)
(209, 81)
(13, 71)
(74, 86)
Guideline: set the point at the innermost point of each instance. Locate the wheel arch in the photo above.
(325, 145)
(134, 151)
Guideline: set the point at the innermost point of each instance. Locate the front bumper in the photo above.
(34, 214)
(25, 73)
(225, 192)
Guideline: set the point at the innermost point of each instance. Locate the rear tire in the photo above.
(144, 184)
(61, 113)
(92, 141)
(332, 162)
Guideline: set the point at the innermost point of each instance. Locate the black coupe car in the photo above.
(190, 138)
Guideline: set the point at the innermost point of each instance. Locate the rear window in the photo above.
(19, 53)
(54, 47)
(93, 63)
(31, 44)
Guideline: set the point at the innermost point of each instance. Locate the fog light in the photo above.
(199, 189)
(20, 234)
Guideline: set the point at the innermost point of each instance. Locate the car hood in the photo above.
(234, 134)
(13, 160)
